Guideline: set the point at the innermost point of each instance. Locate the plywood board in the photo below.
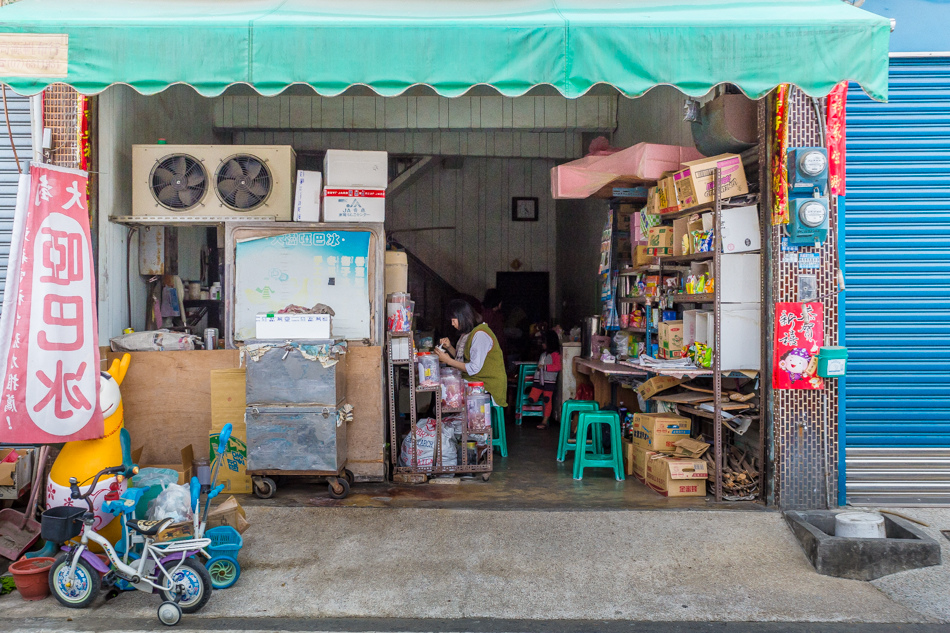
(167, 400)
(366, 435)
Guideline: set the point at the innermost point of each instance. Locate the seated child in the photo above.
(545, 378)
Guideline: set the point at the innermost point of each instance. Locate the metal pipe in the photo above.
(717, 350)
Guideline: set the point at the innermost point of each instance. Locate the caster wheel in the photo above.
(486, 476)
(350, 479)
(169, 613)
(338, 487)
(264, 487)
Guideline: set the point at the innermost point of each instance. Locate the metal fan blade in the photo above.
(196, 178)
(258, 189)
(227, 187)
(254, 168)
(187, 197)
(168, 196)
(243, 200)
(162, 176)
(233, 170)
(181, 167)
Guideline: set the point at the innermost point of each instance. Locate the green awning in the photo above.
(449, 45)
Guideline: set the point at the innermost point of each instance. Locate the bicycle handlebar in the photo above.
(75, 493)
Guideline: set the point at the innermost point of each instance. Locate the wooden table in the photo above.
(603, 376)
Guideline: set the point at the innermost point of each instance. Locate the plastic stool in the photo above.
(525, 378)
(499, 438)
(582, 459)
(565, 443)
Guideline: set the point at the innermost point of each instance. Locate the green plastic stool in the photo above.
(525, 377)
(565, 443)
(582, 459)
(499, 438)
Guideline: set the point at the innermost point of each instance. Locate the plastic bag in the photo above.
(155, 477)
(174, 502)
(425, 433)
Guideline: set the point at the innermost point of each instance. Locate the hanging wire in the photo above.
(6, 114)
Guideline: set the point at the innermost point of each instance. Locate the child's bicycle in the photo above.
(167, 568)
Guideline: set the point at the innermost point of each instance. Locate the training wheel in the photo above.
(338, 487)
(169, 613)
(264, 487)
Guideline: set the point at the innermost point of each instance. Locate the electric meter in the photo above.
(812, 213)
(808, 221)
(808, 170)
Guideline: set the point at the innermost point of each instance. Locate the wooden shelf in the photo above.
(694, 257)
(694, 298)
(638, 300)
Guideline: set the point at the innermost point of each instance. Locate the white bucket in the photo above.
(859, 525)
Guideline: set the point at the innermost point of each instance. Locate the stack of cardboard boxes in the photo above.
(352, 188)
(650, 453)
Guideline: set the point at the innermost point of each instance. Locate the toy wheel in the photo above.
(486, 476)
(264, 487)
(196, 586)
(350, 478)
(169, 613)
(224, 571)
(340, 489)
(81, 591)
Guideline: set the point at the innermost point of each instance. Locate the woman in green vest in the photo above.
(478, 355)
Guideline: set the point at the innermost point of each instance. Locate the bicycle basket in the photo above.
(60, 524)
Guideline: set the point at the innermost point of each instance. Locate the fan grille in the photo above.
(178, 182)
(243, 182)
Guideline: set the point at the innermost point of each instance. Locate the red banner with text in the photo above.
(799, 333)
(48, 328)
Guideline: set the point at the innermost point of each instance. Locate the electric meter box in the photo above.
(807, 221)
(808, 169)
(832, 361)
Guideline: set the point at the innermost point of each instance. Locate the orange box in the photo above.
(675, 477)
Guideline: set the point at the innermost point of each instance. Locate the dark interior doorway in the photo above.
(528, 291)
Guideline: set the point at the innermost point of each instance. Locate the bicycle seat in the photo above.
(149, 528)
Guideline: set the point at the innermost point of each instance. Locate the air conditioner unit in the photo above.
(213, 181)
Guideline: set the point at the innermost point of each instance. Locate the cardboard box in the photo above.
(641, 457)
(659, 431)
(690, 320)
(642, 255)
(227, 407)
(628, 450)
(354, 205)
(307, 196)
(667, 198)
(694, 184)
(354, 169)
(660, 240)
(675, 477)
(741, 335)
(684, 227)
(670, 339)
(657, 384)
(653, 201)
(740, 229)
(293, 326)
(16, 474)
(183, 469)
(230, 513)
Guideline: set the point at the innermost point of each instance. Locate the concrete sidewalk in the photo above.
(624, 565)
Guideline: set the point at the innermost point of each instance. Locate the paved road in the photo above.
(376, 625)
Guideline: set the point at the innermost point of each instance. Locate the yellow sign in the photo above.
(34, 55)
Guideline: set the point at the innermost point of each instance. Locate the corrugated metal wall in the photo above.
(897, 240)
(19, 112)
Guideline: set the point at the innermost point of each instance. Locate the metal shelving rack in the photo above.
(414, 472)
(713, 298)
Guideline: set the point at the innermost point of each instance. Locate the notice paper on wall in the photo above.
(304, 269)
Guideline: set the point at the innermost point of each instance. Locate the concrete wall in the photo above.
(178, 115)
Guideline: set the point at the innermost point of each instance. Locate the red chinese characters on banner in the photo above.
(837, 101)
(799, 333)
(51, 385)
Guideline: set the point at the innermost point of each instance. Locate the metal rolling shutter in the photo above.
(897, 258)
(19, 111)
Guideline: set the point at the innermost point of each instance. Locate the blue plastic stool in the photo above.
(525, 378)
(582, 459)
(499, 438)
(565, 443)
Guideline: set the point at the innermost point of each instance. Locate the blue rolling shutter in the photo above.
(897, 265)
(19, 112)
